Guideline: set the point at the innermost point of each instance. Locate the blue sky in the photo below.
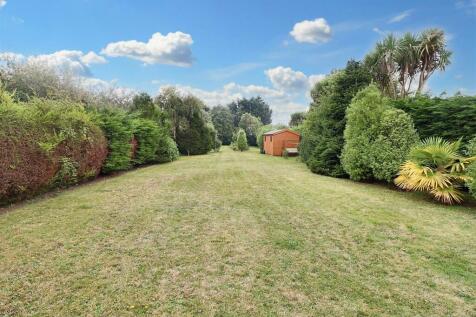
(222, 50)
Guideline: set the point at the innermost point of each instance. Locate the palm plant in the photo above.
(381, 63)
(436, 166)
(408, 61)
(433, 54)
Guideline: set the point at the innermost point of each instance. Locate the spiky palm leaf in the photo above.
(435, 166)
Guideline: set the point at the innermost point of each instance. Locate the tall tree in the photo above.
(433, 54)
(255, 106)
(251, 125)
(297, 118)
(223, 121)
(323, 131)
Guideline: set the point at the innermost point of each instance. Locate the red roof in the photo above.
(280, 131)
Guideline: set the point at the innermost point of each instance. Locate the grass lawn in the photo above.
(231, 234)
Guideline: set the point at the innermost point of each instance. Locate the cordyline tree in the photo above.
(397, 63)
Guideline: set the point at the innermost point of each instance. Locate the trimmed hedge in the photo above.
(46, 144)
(449, 118)
(121, 143)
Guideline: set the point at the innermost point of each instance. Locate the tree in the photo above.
(191, 125)
(437, 167)
(255, 106)
(250, 124)
(323, 130)
(223, 122)
(240, 143)
(433, 54)
(377, 137)
(297, 118)
(396, 62)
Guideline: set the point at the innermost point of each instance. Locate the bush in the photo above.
(167, 150)
(323, 129)
(147, 133)
(240, 142)
(435, 166)
(450, 118)
(45, 144)
(377, 137)
(118, 130)
(471, 183)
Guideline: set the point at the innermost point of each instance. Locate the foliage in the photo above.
(222, 119)
(167, 150)
(191, 127)
(396, 62)
(44, 144)
(251, 125)
(471, 183)
(119, 134)
(240, 141)
(436, 166)
(449, 118)
(323, 129)
(377, 137)
(255, 106)
(147, 133)
(297, 118)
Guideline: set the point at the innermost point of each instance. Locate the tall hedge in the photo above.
(46, 144)
(449, 118)
(119, 133)
(471, 149)
(377, 137)
(323, 129)
(147, 133)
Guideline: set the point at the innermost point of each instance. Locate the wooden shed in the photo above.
(275, 142)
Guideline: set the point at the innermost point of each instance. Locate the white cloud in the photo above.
(172, 49)
(401, 16)
(312, 31)
(291, 81)
(93, 58)
(285, 78)
(2, 3)
(74, 62)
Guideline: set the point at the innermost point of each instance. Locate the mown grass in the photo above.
(235, 233)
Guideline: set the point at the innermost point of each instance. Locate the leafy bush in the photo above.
(377, 137)
(240, 142)
(450, 118)
(437, 167)
(167, 150)
(44, 144)
(323, 129)
(471, 183)
(118, 130)
(147, 133)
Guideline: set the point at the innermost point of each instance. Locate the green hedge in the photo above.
(450, 118)
(46, 144)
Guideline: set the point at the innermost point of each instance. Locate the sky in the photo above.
(224, 50)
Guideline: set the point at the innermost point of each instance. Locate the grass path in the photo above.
(231, 234)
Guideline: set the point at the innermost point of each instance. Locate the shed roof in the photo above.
(280, 131)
